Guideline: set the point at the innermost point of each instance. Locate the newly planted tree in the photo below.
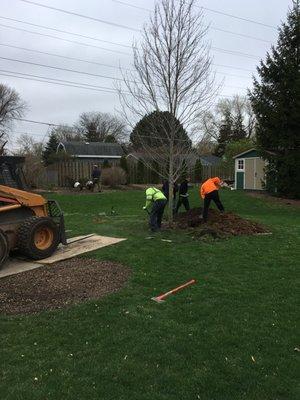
(171, 76)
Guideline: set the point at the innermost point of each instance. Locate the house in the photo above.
(249, 170)
(92, 151)
(209, 159)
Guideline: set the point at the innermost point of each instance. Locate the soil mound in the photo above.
(218, 225)
(60, 285)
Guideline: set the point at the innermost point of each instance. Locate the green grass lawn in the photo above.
(230, 336)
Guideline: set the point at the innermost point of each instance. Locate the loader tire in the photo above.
(4, 248)
(38, 237)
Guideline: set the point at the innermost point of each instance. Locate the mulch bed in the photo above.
(60, 285)
(219, 224)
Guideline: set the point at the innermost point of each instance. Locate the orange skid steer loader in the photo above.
(29, 224)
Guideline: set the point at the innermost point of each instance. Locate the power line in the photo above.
(227, 66)
(238, 17)
(214, 28)
(60, 68)
(83, 72)
(64, 83)
(35, 122)
(60, 80)
(60, 56)
(239, 34)
(67, 32)
(226, 51)
(108, 65)
(81, 15)
(63, 39)
(235, 53)
(53, 81)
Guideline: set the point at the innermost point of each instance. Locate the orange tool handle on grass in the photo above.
(161, 297)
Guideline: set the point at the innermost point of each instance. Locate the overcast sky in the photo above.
(61, 104)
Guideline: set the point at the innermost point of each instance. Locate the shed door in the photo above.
(249, 173)
(259, 173)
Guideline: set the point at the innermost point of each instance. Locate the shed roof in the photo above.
(248, 153)
(91, 148)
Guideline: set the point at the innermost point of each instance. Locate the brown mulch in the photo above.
(60, 285)
(219, 224)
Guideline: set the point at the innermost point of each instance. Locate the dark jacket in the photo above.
(96, 173)
(165, 189)
(183, 188)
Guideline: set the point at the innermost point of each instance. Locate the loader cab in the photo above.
(11, 172)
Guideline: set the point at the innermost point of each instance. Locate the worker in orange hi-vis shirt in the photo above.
(208, 192)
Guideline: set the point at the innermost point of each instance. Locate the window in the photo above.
(240, 165)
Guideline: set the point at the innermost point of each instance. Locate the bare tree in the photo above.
(32, 151)
(101, 127)
(240, 111)
(171, 72)
(11, 107)
(65, 133)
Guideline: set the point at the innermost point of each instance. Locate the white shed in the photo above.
(249, 170)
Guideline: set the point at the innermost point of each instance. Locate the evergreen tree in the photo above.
(225, 134)
(153, 130)
(198, 171)
(154, 172)
(238, 128)
(275, 99)
(140, 172)
(49, 153)
(123, 164)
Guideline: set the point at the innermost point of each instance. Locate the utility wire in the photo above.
(67, 32)
(207, 9)
(63, 39)
(60, 68)
(108, 65)
(83, 72)
(35, 122)
(60, 56)
(53, 82)
(60, 80)
(238, 17)
(226, 51)
(81, 15)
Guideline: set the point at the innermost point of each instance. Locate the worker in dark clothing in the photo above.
(183, 195)
(96, 177)
(165, 190)
(208, 192)
(157, 201)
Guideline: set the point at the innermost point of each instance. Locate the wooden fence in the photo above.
(64, 174)
(208, 171)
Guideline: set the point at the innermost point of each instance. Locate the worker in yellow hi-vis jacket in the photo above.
(158, 200)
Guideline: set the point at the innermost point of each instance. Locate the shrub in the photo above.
(113, 176)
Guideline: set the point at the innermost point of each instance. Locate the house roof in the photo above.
(209, 159)
(245, 152)
(91, 149)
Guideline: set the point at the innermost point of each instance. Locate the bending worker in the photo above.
(158, 200)
(208, 192)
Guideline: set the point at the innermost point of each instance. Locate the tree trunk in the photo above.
(171, 184)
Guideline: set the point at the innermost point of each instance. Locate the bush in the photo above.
(113, 176)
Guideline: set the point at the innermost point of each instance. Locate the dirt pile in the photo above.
(218, 225)
(60, 285)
